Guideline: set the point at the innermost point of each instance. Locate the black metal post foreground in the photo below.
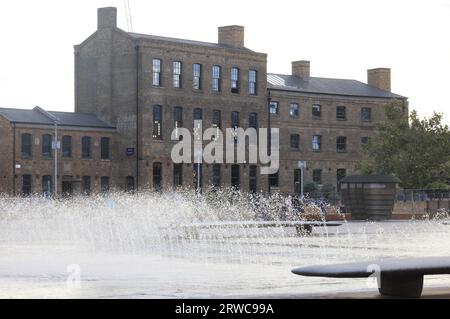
(401, 285)
(397, 277)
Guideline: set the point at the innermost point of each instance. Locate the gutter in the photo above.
(14, 159)
(68, 126)
(341, 95)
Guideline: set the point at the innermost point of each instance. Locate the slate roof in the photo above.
(184, 41)
(326, 86)
(24, 116)
(312, 85)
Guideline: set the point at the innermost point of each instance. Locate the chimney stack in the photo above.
(107, 18)
(301, 69)
(232, 36)
(380, 78)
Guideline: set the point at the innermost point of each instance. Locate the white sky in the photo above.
(341, 39)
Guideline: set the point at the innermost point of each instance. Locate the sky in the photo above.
(342, 39)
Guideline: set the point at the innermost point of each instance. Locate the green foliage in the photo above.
(329, 192)
(437, 186)
(327, 188)
(310, 187)
(415, 150)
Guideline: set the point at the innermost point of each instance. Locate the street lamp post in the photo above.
(198, 154)
(302, 166)
(55, 144)
(55, 148)
(269, 135)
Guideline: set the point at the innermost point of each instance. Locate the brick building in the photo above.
(137, 88)
(27, 156)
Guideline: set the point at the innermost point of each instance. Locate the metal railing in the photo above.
(421, 195)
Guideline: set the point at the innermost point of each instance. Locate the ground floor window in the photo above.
(104, 184)
(157, 176)
(317, 176)
(252, 176)
(297, 181)
(26, 185)
(67, 186)
(274, 180)
(216, 178)
(198, 176)
(129, 184)
(177, 175)
(235, 177)
(86, 185)
(340, 174)
(46, 185)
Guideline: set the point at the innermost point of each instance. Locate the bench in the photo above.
(400, 277)
(302, 227)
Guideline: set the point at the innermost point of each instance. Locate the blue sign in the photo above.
(130, 151)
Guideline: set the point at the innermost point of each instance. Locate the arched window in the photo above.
(157, 72)
(341, 144)
(26, 145)
(252, 76)
(197, 76)
(177, 119)
(216, 78)
(157, 122)
(176, 70)
(104, 145)
(198, 114)
(295, 142)
(234, 80)
(67, 146)
(46, 145)
(86, 147)
(253, 120)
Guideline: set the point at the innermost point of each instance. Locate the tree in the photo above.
(415, 150)
(310, 187)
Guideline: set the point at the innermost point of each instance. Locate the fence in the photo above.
(403, 195)
(407, 201)
(421, 195)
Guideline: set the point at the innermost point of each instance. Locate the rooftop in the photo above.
(34, 116)
(184, 41)
(328, 86)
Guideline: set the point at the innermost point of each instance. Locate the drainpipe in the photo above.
(14, 159)
(137, 113)
(56, 158)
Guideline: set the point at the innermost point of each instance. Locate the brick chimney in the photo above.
(232, 35)
(380, 78)
(301, 69)
(107, 18)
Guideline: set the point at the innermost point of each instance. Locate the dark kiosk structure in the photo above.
(369, 197)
